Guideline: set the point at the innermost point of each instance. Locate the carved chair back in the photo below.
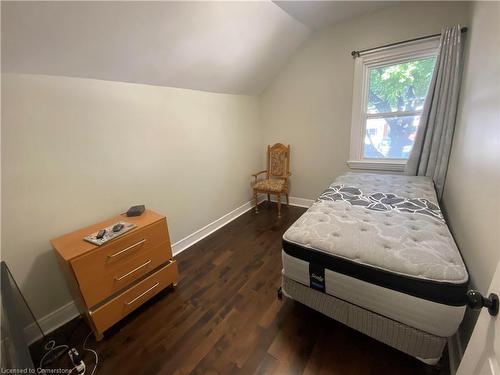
(278, 161)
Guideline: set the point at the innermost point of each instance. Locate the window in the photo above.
(390, 87)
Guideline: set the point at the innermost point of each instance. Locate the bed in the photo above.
(374, 252)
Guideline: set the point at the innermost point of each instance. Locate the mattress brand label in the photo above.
(317, 277)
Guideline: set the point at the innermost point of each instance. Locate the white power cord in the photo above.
(51, 347)
(92, 351)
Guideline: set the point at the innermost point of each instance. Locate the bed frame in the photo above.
(422, 345)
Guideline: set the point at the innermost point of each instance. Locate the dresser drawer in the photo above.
(110, 259)
(97, 287)
(112, 311)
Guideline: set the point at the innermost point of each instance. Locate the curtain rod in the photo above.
(355, 54)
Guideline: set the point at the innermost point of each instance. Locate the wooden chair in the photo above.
(277, 173)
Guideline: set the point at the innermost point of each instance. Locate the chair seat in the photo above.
(272, 185)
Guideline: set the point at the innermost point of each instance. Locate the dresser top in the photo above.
(72, 245)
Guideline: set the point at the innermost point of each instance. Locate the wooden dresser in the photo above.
(112, 280)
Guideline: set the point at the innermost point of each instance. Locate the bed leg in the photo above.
(280, 293)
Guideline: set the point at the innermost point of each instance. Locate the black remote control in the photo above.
(118, 227)
(101, 234)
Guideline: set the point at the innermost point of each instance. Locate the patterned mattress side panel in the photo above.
(412, 341)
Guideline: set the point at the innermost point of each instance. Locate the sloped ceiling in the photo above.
(319, 14)
(225, 47)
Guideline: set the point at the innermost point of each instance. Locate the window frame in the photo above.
(363, 63)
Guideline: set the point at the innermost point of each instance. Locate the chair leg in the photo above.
(287, 201)
(256, 202)
(279, 205)
(269, 197)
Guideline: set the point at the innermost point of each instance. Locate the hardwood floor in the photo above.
(224, 318)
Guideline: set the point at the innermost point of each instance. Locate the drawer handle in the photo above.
(142, 294)
(127, 249)
(131, 272)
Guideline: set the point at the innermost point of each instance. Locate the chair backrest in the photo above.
(278, 160)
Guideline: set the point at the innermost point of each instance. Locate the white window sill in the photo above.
(378, 165)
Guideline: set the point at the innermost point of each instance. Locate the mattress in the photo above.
(380, 242)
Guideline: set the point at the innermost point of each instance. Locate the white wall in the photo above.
(309, 103)
(472, 192)
(76, 151)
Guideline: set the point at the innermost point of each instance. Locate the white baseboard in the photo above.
(208, 229)
(64, 314)
(52, 321)
(301, 202)
(294, 201)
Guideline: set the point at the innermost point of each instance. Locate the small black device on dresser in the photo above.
(118, 227)
(135, 210)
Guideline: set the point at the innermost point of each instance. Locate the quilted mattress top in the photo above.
(388, 222)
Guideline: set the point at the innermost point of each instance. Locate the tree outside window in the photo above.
(395, 98)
